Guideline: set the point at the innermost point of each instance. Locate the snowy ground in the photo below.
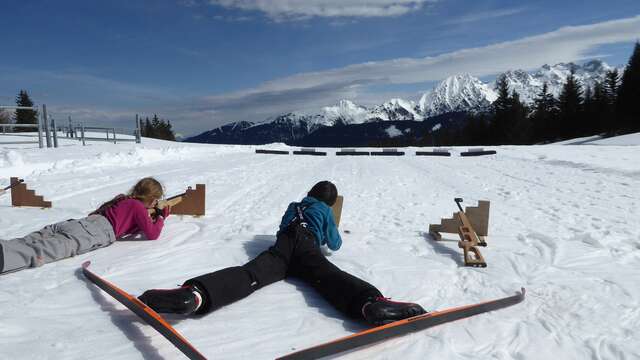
(564, 224)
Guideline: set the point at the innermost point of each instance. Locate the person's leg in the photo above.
(229, 285)
(55, 242)
(344, 291)
(353, 296)
(30, 251)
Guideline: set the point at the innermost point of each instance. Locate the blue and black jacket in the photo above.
(319, 218)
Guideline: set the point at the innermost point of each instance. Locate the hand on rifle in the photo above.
(163, 207)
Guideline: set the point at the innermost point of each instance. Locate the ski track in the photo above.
(562, 225)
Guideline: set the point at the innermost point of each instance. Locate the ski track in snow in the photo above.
(562, 224)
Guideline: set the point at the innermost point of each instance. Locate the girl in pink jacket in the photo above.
(123, 215)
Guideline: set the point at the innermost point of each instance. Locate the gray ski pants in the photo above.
(55, 242)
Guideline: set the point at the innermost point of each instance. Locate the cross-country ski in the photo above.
(144, 312)
(402, 327)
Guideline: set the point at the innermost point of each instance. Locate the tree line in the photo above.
(153, 128)
(157, 128)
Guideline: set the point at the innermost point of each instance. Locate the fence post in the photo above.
(114, 136)
(70, 133)
(40, 132)
(55, 133)
(138, 130)
(45, 119)
(82, 134)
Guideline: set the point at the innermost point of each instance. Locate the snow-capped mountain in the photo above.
(346, 112)
(396, 109)
(529, 85)
(457, 93)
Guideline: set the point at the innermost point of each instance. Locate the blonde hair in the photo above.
(145, 190)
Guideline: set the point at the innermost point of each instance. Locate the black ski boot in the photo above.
(381, 311)
(184, 300)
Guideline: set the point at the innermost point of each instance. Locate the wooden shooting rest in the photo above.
(472, 225)
(337, 209)
(21, 196)
(190, 203)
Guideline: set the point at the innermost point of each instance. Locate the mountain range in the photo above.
(350, 124)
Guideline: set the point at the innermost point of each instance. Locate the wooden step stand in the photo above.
(21, 196)
(191, 202)
(472, 225)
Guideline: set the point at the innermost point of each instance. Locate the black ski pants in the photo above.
(294, 254)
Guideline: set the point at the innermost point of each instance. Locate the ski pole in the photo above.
(458, 201)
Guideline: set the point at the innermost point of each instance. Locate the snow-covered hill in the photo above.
(563, 224)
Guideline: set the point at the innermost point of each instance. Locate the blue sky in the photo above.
(205, 63)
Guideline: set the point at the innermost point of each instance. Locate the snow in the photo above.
(629, 139)
(563, 224)
(393, 131)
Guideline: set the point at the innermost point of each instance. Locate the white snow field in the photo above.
(564, 225)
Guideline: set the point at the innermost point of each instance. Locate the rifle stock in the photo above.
(171, 201)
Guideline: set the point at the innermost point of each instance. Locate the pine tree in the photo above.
(628, 103)
(544, 116)
(155, 124)
(25, 116)
(519, 126)
(148, 129)
(502, 102)
(570, 106)
(500, 111)
(170, 134)
(611, 86)
(595, 109)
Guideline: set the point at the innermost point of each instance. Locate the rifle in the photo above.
(4, 190)
(171, 201)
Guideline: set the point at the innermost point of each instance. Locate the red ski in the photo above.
(402, 327)
(145, 313)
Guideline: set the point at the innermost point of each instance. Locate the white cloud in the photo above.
(315, 89)
(565, 44)
(300, 9)
(486, 15)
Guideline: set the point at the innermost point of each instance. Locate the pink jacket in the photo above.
(130, 216)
